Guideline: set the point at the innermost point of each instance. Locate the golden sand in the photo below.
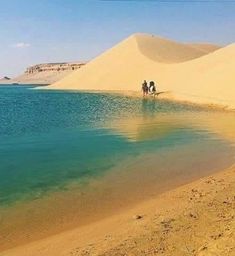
(195, 219)
(200, 74)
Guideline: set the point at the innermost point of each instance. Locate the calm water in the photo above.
(70, 158)
(51, 139)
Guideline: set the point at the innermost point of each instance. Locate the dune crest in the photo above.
(206, 47)
(167, 51)
(199, 73)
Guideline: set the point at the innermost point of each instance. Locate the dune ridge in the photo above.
(206, 47)
(167, 51)
(199, 73)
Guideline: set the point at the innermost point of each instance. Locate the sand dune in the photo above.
(167, 51)
(198, 73)
(206, 48)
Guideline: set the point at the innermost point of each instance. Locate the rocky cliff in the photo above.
(46, 73)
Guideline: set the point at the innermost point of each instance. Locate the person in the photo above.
(145, 88)
(152, 88)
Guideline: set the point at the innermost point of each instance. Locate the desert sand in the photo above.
(195, 219)
(200, 73)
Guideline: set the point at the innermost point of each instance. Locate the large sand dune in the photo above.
(201, 73)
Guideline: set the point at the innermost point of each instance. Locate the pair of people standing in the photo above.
(151, 89)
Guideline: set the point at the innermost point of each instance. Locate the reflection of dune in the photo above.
(198, 72)
(222, 124)
(140, 129)
(162, 125)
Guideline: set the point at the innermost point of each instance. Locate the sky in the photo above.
(33, 32)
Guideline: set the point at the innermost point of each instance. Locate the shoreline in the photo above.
(166, 96)
(200, 206)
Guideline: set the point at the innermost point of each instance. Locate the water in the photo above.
(69, 158)
(49, 139)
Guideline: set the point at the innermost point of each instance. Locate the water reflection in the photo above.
(149, 107)
(152, 123)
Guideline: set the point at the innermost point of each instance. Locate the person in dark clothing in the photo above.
(145, 88)
(152, 88)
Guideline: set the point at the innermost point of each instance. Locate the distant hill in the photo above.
(46, 73)
(4, 79)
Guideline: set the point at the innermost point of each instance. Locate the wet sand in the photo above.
(194, 219)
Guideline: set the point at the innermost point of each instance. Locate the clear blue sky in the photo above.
(69, 30)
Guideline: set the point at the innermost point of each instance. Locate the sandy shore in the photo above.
(195, 219)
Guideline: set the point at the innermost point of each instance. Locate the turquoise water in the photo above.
(50, 139)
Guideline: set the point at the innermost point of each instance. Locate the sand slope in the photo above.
(199, 73)
(167, 51)
(206, 48)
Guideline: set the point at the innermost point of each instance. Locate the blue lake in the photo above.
(49, 139)
(69, 158)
